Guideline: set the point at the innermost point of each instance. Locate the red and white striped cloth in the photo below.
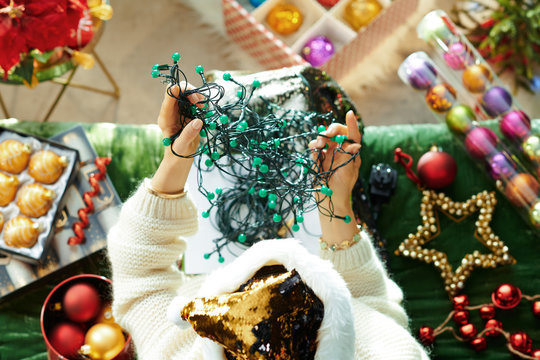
(272, 53)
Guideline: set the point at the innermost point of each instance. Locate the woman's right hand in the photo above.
(173, 171)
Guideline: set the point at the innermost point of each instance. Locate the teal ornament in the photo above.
(257, 161)
(221, 259)
(219, 191)
(347, 219)
(321, 128)
(208, 162)
(206, 256)
(155, 73)
(212, 126)
(210, 196)
(214, 156)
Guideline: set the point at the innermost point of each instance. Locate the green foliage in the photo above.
(513, 42)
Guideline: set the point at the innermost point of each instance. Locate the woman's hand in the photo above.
(173, 171)
(342, 180)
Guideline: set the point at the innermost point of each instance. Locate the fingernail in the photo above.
(197, 124)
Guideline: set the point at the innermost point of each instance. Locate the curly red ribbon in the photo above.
(93, 179)
(400, 156)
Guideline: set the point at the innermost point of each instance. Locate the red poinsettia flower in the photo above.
(30, 24)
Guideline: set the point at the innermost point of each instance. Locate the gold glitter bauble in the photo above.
(284, 19)
(476, 78)
(534, 213)
(21, 232)
(484, 204)
(522, 189)
(441, 97)
(35, 200)
(8, 188)
(46, 166)
(14, 156)
(359, 13)
(531, 147)
(103, 341)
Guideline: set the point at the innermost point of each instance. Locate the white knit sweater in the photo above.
(145, 243)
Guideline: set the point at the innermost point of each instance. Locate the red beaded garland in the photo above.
(426, 335)
(493, 323)
(536, 308)
(520, 341)
(506, 296)
(468, 331)
(487, 312)
(479, 343)
(460, 302)
(536, 354)
(461, 317)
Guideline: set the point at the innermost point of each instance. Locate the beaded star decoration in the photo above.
(432, 203)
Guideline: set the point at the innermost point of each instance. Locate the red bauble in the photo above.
(328, 3)
(536, 354)
(461, 317)
(468, 332)
(506, 296)
(479, 343)
(81, 302)
(536, 308)
(436, 169)
(521, 342)
(67, 338)
(460, 302)
(487, 312)
(426, 335)
(493, 323)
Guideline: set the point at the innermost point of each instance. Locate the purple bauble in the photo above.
(515, 125)
(318, 50)
(420, 73)
(500, 166)
(458, 56)
(480, 141)
(496, 101)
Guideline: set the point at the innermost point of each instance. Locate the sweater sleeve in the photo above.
(142, 248)
(377, 297)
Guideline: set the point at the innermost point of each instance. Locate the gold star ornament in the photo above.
(432, 203)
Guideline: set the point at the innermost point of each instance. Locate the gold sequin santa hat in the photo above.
(271, 286)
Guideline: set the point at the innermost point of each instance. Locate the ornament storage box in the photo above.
(272, 50)
(16, 274)
(16, 184)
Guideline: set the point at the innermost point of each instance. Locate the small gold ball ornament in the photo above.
(103, 341)
(360, 13)
(284, 19)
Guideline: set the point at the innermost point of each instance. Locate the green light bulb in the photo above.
(251, 190)
(272, 204)
(233, 143)
(263, 145)
(210, 196)
(299, 219)
(175, 57)
(199, 69)
(263, 193)
(208, 162)
(205, 214)
(155, 73)
(224, 119)
(297, 199)
(272, 197)
(209, 114)
(276, 218)
(226, 76)
(277, 143)
(256, 83)
(203, 133)
(166, 141)
(295, 227)
(212, 126)
(221, 259)
(242, 238)
(206, 256)
(214, 156)
(219, 191)
(347, 219)
(324, 189)
(155, 67)
(321, 128)
(257, 161)
(264, 168)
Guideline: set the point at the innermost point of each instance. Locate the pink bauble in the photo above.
(67, 338)
(81, 302)
(480, 142)
(458, 56)
(515, 125)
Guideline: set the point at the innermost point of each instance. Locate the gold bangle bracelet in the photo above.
(342, 245)
(152, 191)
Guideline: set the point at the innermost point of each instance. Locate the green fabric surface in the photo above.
(136, 153)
